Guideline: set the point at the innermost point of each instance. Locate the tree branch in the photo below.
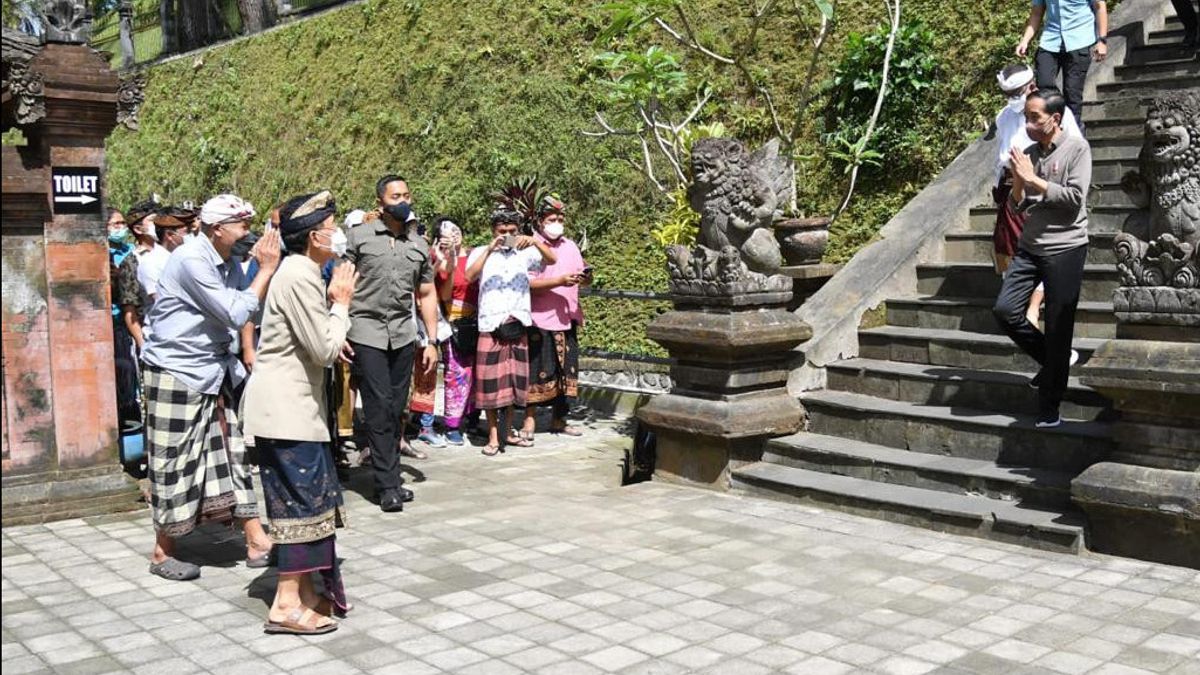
(866, 137)
(690, 42)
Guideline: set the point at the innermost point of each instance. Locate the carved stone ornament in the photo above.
(130, 96)
(1158, 247)
(738, 195)
(25, 84)
(67, 21)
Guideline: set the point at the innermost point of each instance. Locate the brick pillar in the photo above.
(60, 424)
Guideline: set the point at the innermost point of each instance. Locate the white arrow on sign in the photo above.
(80, 199)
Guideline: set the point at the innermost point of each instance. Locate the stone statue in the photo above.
(129, 99)
(68, 21)
(1160, 241)
(737, 195)
(24, 84)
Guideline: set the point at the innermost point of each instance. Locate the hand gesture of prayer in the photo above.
(1022, 166)
(341, 287)
(267, 250)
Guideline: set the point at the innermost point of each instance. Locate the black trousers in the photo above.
(1074, 68)
(384, 377)
(128, 410)
(1063, 276)
(1187, 15)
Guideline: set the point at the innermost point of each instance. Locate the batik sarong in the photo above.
(304, 504)
(553, 365)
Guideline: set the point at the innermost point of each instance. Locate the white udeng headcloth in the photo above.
(1016, 80)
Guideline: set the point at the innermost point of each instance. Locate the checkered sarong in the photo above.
(197, 458)
(501, 372)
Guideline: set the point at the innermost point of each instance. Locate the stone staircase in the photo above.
(932, 424)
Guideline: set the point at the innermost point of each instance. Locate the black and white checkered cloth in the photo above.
(198, 469)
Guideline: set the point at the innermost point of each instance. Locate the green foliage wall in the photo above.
(460, 97)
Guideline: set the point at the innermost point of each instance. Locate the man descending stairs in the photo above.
(933, 423)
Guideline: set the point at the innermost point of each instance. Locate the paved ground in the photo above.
(538, 562)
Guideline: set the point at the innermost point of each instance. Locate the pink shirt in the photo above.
(556, 308)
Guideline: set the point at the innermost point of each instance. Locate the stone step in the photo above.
(1101, 219)
(1166, 35)
(1116, 129)
(975, 280)
(967, 477)
(978, 247)
(959, 387)
(1187, 65)
(1092, 319)
(1117, 148)
(1107, 195)
(1163, 51)
(1148, 86)
(1112, 170)
(957, 431)
(1129, 108)
(962, 349)
(959, 514)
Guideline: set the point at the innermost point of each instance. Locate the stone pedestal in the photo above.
(60, 451)
(1145, 501)
(733, 355)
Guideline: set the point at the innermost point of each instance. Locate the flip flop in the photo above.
(495, 449)
(568, 430)
(519, 441)
(295, 624)
(175, 570)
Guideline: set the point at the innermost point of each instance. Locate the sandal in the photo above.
(302, 621)
(518, 440)
(260, 561)
(175, 570)
(567, 430)
(408, 450)
(491, 450)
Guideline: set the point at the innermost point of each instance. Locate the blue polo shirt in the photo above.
(1067, 25)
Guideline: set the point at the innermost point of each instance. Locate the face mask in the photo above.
(1017, 103)
(338, 243)
(553, 230)
(400, 212)
(1040, 133)
(188, 236)
(148, 229)
(118, 236)
(242, 248)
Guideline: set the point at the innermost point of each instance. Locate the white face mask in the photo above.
(188, 236)
(148, 227)
(338, 243)
(553, 230)
(1017, 103)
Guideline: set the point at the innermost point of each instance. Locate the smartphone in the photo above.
(587, 272)
(510, 241)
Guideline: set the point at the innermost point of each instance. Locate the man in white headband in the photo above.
(197, 458)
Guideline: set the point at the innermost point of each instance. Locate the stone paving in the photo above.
(538, 561)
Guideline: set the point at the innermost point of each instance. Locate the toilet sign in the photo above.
(75, 189)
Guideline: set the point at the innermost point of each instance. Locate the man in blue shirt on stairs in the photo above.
(1073, 33)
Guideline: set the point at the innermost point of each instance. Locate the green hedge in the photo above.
(460, 97)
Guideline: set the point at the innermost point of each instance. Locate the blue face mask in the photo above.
(118, 236)
(399, 211)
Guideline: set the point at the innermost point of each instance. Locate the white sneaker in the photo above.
(1074, 357)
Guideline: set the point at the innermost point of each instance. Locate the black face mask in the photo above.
(400, 212)
(242, 248)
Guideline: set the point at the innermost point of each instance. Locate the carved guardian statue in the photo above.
(737, 195)
(68, 21)
(1159, 244)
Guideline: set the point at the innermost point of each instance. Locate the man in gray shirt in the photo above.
(393, 264)
(1050, 184)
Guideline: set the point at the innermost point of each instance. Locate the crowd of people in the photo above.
(236, 350)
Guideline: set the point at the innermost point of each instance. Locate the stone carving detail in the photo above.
(1159, 245)
(68, 21)
(129, 99)
(737, 195)
(25, 84)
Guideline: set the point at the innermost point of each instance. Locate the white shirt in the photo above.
(1010, 133)
(504, 285)
(150, 268)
